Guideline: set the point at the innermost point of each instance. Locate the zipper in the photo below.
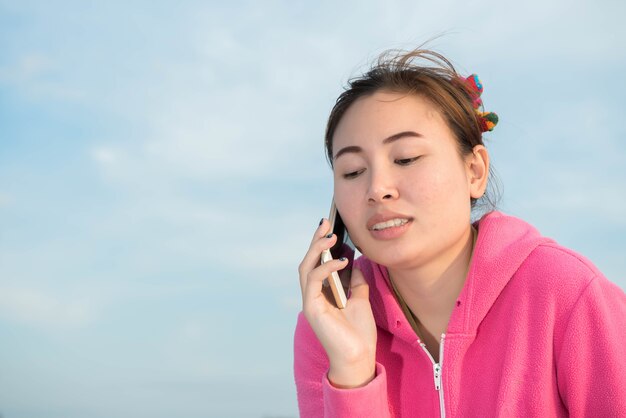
(437, 372)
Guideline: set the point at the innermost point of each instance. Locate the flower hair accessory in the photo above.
(487, 120)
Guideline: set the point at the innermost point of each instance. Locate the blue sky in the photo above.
(162, 171)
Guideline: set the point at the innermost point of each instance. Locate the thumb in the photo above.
(358, 285)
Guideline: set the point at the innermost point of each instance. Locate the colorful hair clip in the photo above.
(476, 89)
(486, 120)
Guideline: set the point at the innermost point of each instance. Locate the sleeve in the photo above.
(591, 361)
(317, 397)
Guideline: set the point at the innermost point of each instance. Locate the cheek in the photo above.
(438, 189)
(347, 199)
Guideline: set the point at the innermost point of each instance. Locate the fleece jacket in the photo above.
(537, 331)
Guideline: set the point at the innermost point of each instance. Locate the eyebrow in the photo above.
(392, 138)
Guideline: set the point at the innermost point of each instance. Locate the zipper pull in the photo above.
(437, 374)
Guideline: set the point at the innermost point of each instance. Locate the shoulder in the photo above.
(563, 260)
(513, 256)
(509, 246)
(573, 277)
(566, 282)
(560, 270)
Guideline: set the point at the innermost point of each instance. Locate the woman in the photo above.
(445, 317)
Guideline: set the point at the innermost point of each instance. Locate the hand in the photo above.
(348, 335)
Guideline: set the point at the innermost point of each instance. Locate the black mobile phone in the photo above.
(339, 282)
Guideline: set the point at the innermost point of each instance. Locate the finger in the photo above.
(320, 232)
(322, 229)
(358, 286)
(312, 258)
(315, 279)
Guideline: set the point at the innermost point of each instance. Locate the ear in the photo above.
(477, 167)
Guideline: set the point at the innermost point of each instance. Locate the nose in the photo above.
(382, 187)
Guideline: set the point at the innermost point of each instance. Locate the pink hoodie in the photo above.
(537, 331)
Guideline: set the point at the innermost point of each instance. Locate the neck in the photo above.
(431, 290)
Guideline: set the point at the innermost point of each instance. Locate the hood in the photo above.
(503, 243)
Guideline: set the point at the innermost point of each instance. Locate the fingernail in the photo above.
(321, 220)
(329, 236)
(342, 258)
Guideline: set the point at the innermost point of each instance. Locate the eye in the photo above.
(406, 161)
(353, 174)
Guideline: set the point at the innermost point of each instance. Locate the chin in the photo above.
(390, 257)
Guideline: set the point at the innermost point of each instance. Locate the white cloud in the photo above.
(37, 308)
(104, 156)
(30, 66)
(606, 203)
(5, 200)
(36, 76)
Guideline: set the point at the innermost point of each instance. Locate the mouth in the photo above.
(389, 226)
(391, 223)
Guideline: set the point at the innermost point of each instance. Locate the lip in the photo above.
(388, 233)
(384, 217)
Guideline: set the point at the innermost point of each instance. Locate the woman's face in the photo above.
(401, 186)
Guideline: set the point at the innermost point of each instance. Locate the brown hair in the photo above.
(436, 80)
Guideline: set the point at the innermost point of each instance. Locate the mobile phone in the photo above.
(342, 248)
